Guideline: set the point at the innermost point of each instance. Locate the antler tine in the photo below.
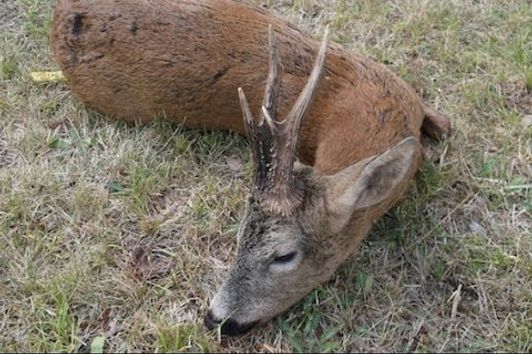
(273, 84)
(304, 100)
(250, 126)
(249, 121)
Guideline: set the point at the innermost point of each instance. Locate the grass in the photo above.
(114, 237)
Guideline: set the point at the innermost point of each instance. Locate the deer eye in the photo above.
(287, 258)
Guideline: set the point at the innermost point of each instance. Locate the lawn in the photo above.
(116, 236)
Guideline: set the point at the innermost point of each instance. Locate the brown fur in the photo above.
(135, 59)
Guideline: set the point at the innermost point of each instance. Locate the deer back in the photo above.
(184, 60)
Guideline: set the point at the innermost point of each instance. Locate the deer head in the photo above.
(299, 225)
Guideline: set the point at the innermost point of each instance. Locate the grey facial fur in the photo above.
(335, 215)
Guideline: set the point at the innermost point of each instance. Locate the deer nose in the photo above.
(229, 327)
(210, 321)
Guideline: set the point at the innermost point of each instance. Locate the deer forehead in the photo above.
(260, 230)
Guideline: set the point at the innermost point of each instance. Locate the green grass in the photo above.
(114, 237)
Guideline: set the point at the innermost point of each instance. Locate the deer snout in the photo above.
(229, 326)
(210, 321)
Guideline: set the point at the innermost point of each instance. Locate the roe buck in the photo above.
(196, 61)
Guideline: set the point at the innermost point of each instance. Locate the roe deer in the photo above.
(198, 62)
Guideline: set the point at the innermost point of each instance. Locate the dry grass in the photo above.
(119, 233)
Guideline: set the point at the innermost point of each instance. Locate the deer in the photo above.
(336, 144)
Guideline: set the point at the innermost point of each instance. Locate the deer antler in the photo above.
(274, 142)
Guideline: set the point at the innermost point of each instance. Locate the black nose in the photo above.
(211, 322)
(229, 327)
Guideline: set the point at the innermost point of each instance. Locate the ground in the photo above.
(115, 237)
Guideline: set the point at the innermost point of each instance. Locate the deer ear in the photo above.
(370, 181)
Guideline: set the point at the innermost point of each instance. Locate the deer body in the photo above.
(185, 59)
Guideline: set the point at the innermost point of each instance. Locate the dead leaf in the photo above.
(476, 228)
(139, 263)
(527, 120)
(234, 163)
(103, 320)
